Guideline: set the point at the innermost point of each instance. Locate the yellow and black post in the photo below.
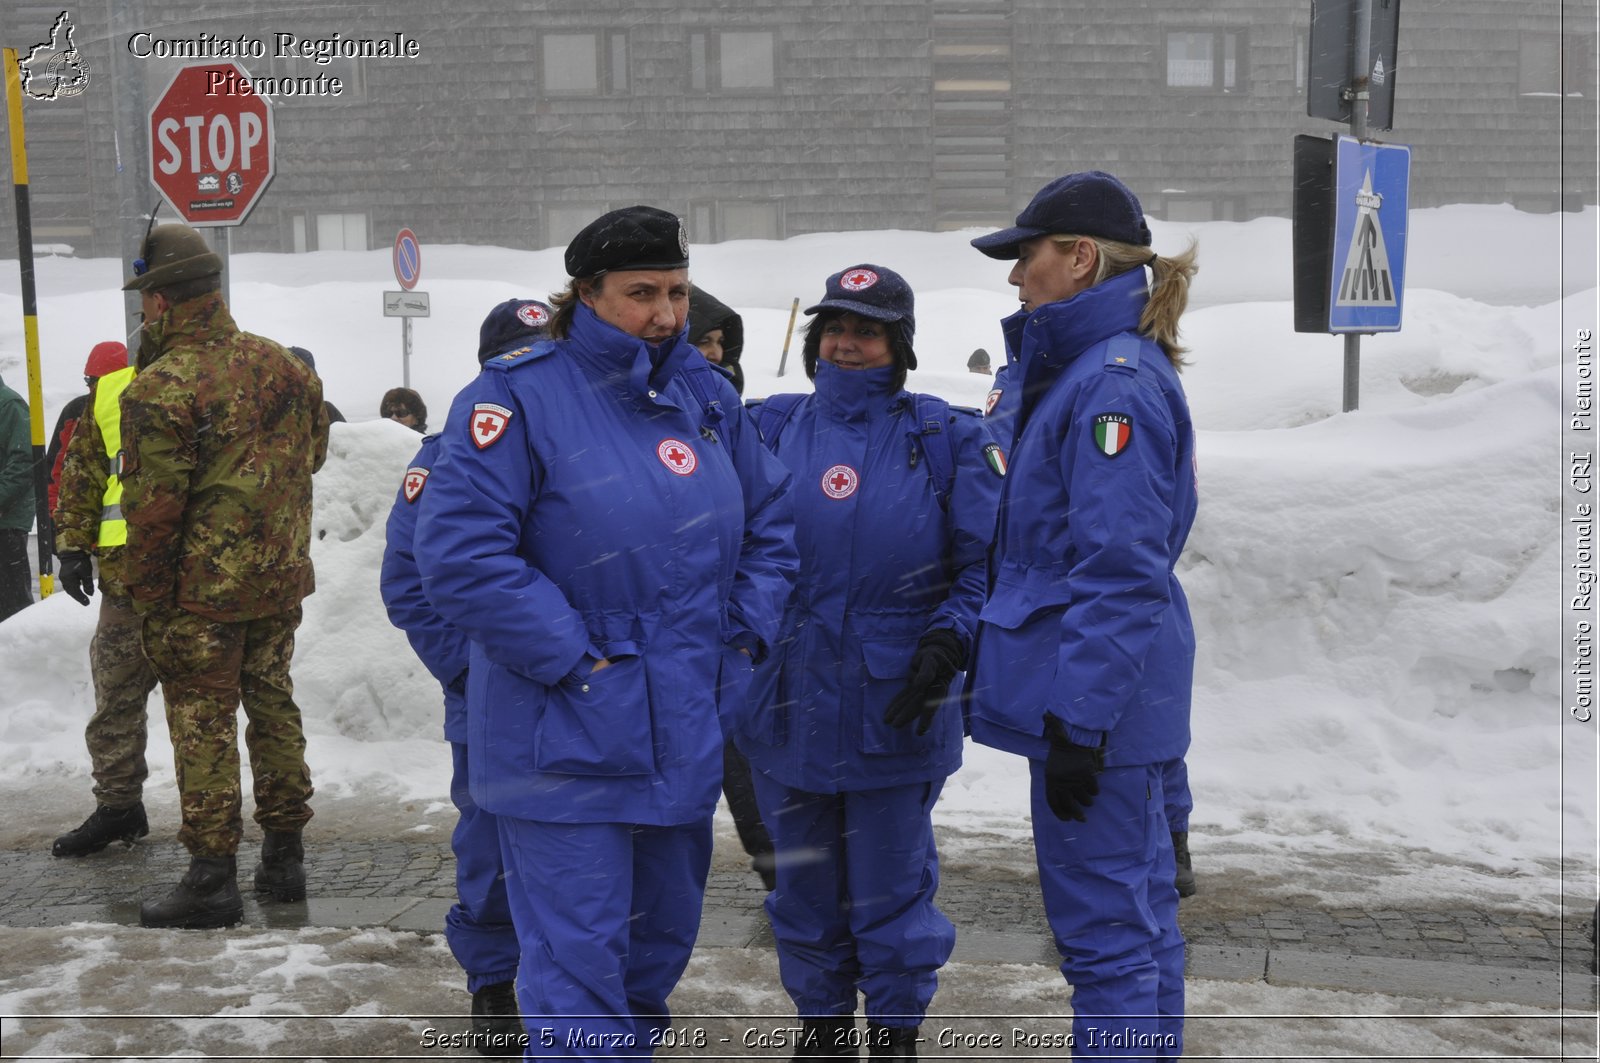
(30, 319)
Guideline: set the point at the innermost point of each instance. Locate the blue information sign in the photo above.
(1367, 282)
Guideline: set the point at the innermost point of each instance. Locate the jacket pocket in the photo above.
(886, 669)
(1016, 651)
(598, 724)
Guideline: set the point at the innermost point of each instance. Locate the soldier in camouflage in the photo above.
(222, 431)
(88, 519)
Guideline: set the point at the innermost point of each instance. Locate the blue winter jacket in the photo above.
(441, 648)
(882, 562)
(588, 502)
(1085, 619)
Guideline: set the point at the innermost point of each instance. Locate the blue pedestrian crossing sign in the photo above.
(1367, 281)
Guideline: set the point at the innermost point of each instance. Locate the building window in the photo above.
(564, 221)
(328, 232)
(342, 232)
(584, 64)
(1181, 207)
(304, 73)
(1205, 60)
(740, 61)
(1554, 65)
(741, 219)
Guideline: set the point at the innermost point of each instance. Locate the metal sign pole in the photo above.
(1360, 91)
(405, 352)
(222, 243)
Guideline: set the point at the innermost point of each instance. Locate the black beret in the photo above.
(630, 238)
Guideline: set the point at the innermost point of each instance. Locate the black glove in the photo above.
(938, 658)
(77, 575)
(1070, 771)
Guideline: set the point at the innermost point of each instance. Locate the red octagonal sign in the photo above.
(211, 144)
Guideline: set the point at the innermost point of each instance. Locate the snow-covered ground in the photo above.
(1377, 597)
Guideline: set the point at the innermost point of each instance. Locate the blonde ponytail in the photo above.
(1169, 289)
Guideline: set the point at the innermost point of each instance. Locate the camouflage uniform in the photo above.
(122, 676)
(221, 433)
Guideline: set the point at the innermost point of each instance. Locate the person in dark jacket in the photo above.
(847, 726)
(605, 527)
(16, 503)
(334, 416)
(405, 406)
(1083, 660)
(478, 927)
(106, 357)
(718, 331)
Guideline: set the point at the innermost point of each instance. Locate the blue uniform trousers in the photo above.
(1113, 909)
(1180, 802)
(857, 872)
(607, 915)
(478, 926)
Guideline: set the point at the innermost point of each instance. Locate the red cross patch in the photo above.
(677, 456)
(533, 315)
(840, 481)
(858, 280)
(990, 403)
(416, 479)
(488, 423)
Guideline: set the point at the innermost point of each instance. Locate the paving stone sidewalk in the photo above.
(1454, 951)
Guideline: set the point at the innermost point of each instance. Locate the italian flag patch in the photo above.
(1112, 433)
(996, 458)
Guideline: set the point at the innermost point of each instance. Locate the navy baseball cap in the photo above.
(513, 323)
(871, 291)
(1091, 203)
(630, 238)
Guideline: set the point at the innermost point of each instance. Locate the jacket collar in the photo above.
(622, 360)
(1047, 340)
(200, 318)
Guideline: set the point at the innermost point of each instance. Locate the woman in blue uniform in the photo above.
(1083, 660)
(848, 728)
(606, 528)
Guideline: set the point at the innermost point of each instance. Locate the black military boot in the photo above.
(282, 871)
(891, 1042)
(497, 1022)
(833, 1035)
(1184, 879)
(206, 897)
(104, 826)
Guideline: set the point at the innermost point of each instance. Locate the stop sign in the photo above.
(211, 144)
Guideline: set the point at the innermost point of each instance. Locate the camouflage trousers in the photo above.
(207, 669)
(123, 680)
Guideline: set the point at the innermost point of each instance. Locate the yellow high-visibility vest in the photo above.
(108, 415)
